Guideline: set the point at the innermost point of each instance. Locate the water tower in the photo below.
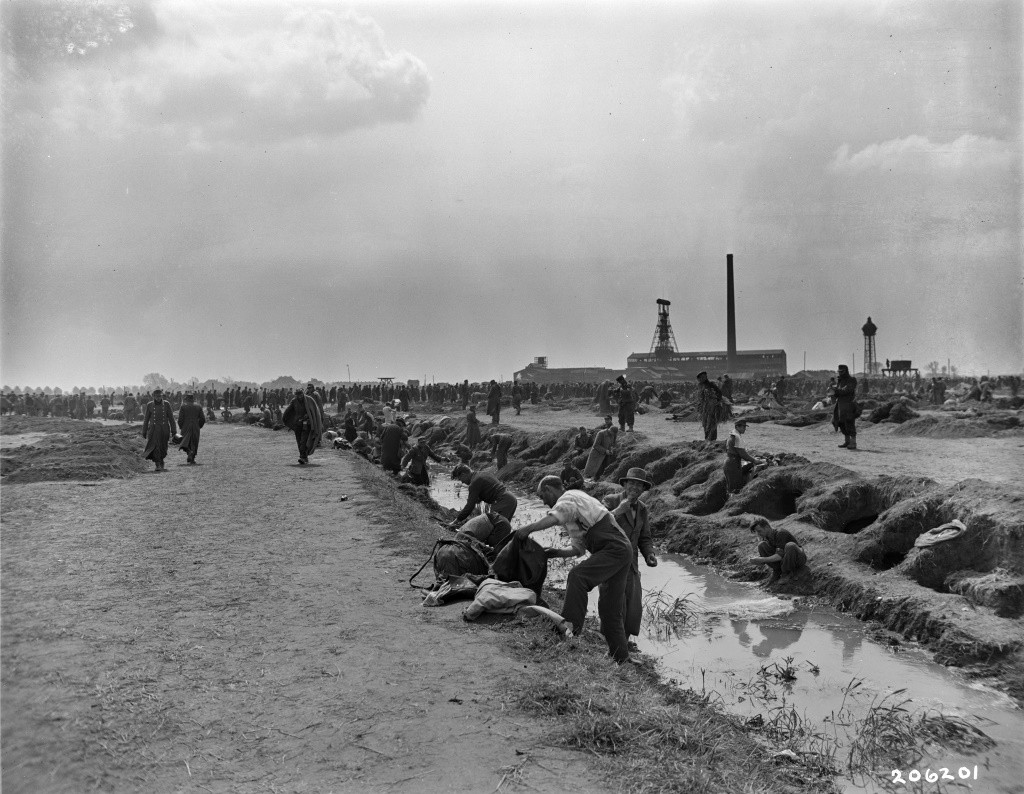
(869, 329)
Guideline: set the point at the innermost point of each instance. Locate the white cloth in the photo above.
(493, 595)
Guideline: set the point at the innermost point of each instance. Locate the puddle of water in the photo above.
(743, 637)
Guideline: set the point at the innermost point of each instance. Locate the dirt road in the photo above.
(234, 626)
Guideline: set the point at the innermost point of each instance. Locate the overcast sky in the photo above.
(448, 190)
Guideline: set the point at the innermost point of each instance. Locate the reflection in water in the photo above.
(779, 638)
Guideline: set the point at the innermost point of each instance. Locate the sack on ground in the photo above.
(461, 555)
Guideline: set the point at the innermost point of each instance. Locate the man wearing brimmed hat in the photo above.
(157, 428)
(634, 518)
(190, 420)
(591, 528)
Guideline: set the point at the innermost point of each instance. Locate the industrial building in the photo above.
(665, 363)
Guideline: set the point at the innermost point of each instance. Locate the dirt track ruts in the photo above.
(233, 626)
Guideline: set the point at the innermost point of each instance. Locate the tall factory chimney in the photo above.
(730, 315)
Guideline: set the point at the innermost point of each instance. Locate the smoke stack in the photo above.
(730, 315)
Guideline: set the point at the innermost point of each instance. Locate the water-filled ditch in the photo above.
(816, 676)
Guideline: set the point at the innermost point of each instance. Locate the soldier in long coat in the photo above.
(494, 402)
(843, 414)
(709, 406)
(190, 420)
(473, 437)
(157, 428)
(597, 460)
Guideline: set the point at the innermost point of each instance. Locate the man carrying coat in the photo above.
(306, 419)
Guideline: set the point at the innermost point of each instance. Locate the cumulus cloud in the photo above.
(245, 73)
(917, 154)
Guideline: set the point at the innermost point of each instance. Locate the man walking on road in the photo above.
(305, 417)
(157, 428)
(190, 420)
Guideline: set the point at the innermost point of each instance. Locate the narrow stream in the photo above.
(799, 665)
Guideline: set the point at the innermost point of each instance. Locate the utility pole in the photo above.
(347, 367)
(805, 361)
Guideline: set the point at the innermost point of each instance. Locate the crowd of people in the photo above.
(612, 534)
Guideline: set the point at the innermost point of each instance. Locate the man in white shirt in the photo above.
(591, 528)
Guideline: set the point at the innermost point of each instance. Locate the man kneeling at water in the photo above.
(778, 549)
(590, 527)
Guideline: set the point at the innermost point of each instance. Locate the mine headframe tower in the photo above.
(664, 343)
(869, 329)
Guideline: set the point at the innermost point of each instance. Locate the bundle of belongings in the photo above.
(942, 534)
(487, 562)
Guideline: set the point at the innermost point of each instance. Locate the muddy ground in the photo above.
(858, 513)
(246, 625)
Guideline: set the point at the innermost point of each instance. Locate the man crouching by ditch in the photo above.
(778, 549)
(592, 528)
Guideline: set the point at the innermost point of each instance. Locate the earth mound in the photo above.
(74, 450)
(954, 426)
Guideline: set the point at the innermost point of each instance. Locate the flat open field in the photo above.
(947, 460)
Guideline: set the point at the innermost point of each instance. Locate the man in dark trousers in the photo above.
(844, 413)
(190, 420)
(157, 428)
(627, 404)
(709, 405)
(634, 518)
(500, 445)
(494, 402)
(415, 461)
(392, 439)
(483, 487)
(305, 417)
(590, 528)
(778, 549)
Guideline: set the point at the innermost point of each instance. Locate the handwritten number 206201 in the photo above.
(916, 775)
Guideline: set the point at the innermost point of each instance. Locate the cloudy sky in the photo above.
(440, 189)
